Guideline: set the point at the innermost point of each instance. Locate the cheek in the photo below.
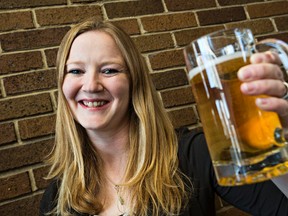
(69, 88)
(122, 89)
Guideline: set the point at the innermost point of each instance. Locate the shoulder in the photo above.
(192, 147)
(193, 154)
(49, 198)
(194, 158)
(188, 138)
(194, 162)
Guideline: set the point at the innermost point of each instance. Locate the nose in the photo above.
(92, 82)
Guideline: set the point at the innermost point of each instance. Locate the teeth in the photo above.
(93, 104)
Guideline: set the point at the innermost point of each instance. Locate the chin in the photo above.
(92, 126)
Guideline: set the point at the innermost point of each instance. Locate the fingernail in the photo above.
(248, 88)
(261, 101)
(256, 59)
(244, 74)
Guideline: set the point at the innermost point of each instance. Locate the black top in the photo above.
(263, 199)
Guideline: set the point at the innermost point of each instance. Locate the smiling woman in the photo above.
(107, 132)
(96, 85)
(116, 151)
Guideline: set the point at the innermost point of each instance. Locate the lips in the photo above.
(94, 104)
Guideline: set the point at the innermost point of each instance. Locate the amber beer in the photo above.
(239, 135)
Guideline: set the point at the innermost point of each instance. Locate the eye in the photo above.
(75, 71)
(110, 71)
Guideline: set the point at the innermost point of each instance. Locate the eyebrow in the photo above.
(104, 63)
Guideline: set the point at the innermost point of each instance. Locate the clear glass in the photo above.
(246, 144)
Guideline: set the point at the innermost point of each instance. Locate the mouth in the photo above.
(93, 104)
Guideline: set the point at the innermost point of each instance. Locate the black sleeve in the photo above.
(261, 199)
(195, 163)
(49, 199)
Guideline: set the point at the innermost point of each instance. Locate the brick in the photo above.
(133, 8)
(169, 79)
(281, 23)
(51, 56)
(19, 20)
(267, 9)
(130, 26)
(84, 1)
(184, 37)
(169, 22)
(237, 2)
(12, 4)
(24, 155)
(14, 186)
(32, 39)
(179, 5)
(56, 96)
(232, 211)
(28, 82)
(279, 36)
(7, 132)
(183, 117)
(177, 97)
(222, 15)
(1, 94)
(17, 62)
(25, 106)
(222, 202)
(153, 42)
(66, 15)
(260, 26)
(23, 207)
(166, 59)
(40, 175)
(218, 203)
(36, 127)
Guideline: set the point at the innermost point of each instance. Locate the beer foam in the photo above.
(210, 63)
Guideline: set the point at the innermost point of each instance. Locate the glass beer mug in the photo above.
(246, 144)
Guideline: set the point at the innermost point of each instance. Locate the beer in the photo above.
(239, 134)
(246, 144)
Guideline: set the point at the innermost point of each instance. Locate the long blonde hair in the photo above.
(154, 180)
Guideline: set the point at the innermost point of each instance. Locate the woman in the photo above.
(116, 151)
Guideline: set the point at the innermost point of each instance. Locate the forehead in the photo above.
(94, 43)
(93, 38)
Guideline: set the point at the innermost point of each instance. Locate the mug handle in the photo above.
(280, 47)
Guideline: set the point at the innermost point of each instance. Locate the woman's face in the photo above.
(96, 83)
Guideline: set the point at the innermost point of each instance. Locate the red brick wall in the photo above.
(30, 32)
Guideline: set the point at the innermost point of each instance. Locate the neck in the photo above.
(110, 143)
(113, 148)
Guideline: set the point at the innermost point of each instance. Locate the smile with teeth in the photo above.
(94, 104)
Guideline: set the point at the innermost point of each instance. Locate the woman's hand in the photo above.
(264, 76)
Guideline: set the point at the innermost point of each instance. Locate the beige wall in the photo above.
(31, 31)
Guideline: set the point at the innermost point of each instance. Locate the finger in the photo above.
(260, 71)
(267, 87)
(265, 57)
(277, 105)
